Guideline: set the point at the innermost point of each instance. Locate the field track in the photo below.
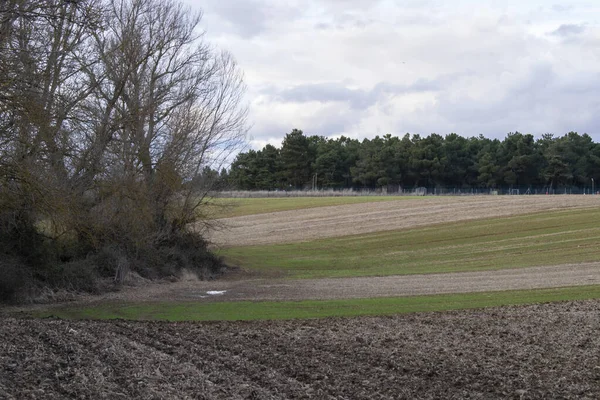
(316, 223)
(256, 289)
(545, 351)
(394, 286)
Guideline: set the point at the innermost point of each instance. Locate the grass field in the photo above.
(548, 238)
(230, 311)
(224, 208)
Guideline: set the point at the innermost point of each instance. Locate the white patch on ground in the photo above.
(216, 292)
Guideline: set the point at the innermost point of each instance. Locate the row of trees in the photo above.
(412, 161)
(108, 110)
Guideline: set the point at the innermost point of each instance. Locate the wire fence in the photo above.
(419, 191)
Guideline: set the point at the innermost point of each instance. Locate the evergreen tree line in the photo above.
(518, 161)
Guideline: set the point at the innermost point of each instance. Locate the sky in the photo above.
(362, 68)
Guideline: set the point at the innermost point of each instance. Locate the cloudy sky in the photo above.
(362, 68)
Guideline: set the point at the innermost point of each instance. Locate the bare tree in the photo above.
(41, 87)
(109, 110)
(180, 105)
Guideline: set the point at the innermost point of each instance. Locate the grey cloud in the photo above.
(540, 102)
(567, 30)
(249, 18)
(329, 126)
(325, 92)
(269, 132)
(534, 90)
(584, 85)
(358, 98)
(325, 124)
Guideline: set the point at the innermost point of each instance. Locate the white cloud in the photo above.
(361, 67)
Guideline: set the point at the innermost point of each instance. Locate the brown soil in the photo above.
(393, 286)
(245, 287)
(528, 352)
(315, 223)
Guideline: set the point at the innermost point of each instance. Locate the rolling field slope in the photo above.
(545, 238)
(353, 219)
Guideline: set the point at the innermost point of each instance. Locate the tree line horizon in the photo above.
(410, 161)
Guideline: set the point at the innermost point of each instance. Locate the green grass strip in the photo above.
(223, 208)
(268, 310)
(547, 238)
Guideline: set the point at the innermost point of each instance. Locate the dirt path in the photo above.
(268, 289)
(315, 223)
(391, 286)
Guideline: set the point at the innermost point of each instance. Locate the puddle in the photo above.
(216, 292)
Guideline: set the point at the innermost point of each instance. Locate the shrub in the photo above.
(181, 251)
(13, 279)
(78, 276)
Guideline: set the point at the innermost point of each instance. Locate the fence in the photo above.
(419, 191)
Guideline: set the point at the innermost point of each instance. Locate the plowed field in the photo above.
(530, 352)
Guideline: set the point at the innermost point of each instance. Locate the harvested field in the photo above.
(342, 220)
(538, 351)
